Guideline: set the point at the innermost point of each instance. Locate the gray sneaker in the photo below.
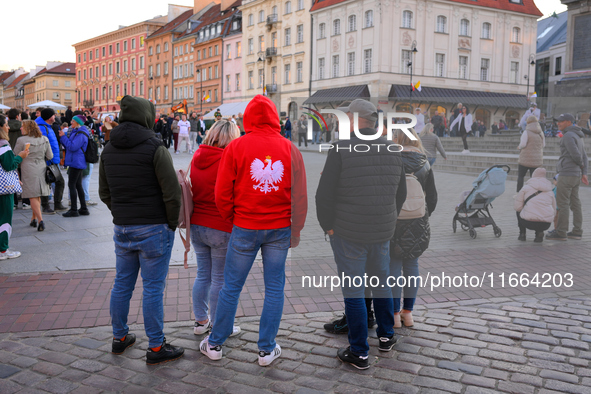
(554, 235)
(571, 235)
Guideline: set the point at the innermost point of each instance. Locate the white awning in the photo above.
(48, 104)
(228, 110)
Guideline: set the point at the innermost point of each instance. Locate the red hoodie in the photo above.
(204, 170)
(261, 183)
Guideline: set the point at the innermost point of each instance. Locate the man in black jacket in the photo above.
(361, 191)
(138, 184)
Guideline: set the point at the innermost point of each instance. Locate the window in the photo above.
(274, 39)
(287, 78)
(141, 83)
(464, 27)
(133, 64)
(219, 29)
(68, 96)
(133, 43)
(261, 43)
(288, 7)
(141, 62)
(208, 72)
(335, 66)
(118, 46)
(150, 51)
(90, 55)
(322, 30)
(151, 71)
(96, 72)
(125, 45)
(132, 89)
(237, 81)
(288, 36)
(321, 68)
(216, 73)
(204, 53)
(484, 67)
(209, 52)
(227, 83)
(336, 27)
(274, 75)
(125, 66)
(157, 48)
(68, 84)
(158, 70)
(514, 77)
(158, 93)
(369, 18)
(228, 51)
(463, 67)
(198, 55)
(367, 60)
(300, 5)
(117, 68)
(439, 65)
(352, 23)
(110, 49)
(216, 50)
(110, 68)
(235, 25)
(441, 26)
(300, 31)
(96, 56)
(103, 51)
(165, 50)
(55, 82)
(89, 76)
(175, 94)
(558, 66)
(176, 51)
(238, 49)
(261, 16)
(250, 19)
(299, 71)
(110, 91)
(84, 56)
(260, 78)
(166, 92)
(104, 72)
(180, 50)
(407, 19)
(84, 73)
(187, 49)
(516, 36)
(250, 46)
(351, 63)
(250, 80)
(486, 29)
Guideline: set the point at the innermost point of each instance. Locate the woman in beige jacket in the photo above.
(535, 205)
(531, 150)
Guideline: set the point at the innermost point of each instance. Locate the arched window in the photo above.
(441, 26)
(352, 23)
(336, 27)
(407, 19)
(486, 30)
(369, 18)
(464, 27)
(516, 36)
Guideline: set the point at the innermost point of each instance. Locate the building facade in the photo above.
(112, 65)
(232, 63)
(4, 81)
(457, 45)
(56, 83)
(12, 92)
(276, 51)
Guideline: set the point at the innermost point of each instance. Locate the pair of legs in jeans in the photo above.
(146, 248)
(86, 182)
(355, 260)
(210, 247)
(242, 250)
(521, 173)
(410, 267)
(76, 189)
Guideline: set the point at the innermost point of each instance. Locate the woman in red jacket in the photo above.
(209, 232)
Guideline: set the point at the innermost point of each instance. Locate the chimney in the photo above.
(198, 5)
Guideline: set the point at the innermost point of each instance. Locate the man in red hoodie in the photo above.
(261, 189)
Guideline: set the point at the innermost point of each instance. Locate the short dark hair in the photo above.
(40, 109)
(12, 113)
(24, 115)
(77, 113)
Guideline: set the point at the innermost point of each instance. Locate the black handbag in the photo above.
(53, 174)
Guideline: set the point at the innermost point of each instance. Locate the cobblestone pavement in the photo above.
(493, 332)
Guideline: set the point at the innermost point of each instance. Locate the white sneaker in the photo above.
(9, 254)
(213, 353)
(178, 152)
(465, 152)
(26, 206)
(90, 202)
(200, 329)
(266, 358)
(235, 331)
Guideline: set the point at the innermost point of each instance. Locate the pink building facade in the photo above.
(232, 67)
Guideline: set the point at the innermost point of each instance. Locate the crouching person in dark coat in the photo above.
(139, 185)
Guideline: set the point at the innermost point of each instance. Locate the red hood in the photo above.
(261, 115)
(206, 156)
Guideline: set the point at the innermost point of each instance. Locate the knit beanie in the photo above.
(531, 119)
(137, 110)
(80, 119)
(539, 173)
(47, 113)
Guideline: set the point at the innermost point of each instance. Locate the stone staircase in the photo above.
(490, 150)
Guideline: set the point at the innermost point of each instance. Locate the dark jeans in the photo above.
(300, 137)
(354, 260)
(57, 195)
(529, 225)
(521, 172)
(76, 189)
(465, 140)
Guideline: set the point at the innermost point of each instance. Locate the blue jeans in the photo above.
(86, 182)
(355, 260)
(317, 136)
(210, 247)
(242, 250)
(431, 160)
(145, 247)
(410, 268)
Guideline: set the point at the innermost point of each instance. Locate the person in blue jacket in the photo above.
(75, 143)
(44, 121)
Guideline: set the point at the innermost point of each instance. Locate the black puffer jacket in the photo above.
(411, 237)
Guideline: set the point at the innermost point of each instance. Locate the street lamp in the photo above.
(198, 71)
(262, 59)
(413, 48)
(532, 62)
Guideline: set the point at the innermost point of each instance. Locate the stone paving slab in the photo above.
(429, 357)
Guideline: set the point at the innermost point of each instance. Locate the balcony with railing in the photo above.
(272, 19)
(271, 52)
(271, 88)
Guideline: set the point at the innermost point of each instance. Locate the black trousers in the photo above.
(57, 195)
(464, 140)
(529, 225)
(521, 172)
(300, 137)
(76, 190)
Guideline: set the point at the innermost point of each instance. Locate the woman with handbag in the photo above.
(8, 186)
(33, 168)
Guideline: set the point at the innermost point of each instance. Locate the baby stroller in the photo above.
(473, 210)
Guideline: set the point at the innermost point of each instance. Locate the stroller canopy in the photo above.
(489, 185)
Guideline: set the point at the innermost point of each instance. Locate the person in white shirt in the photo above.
(184, 128)
(420, 120)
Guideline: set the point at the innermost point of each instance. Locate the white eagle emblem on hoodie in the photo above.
(266, 176)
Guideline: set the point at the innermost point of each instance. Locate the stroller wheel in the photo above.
(465, 228)
(472, 233)
(498, 232)
(454, 226)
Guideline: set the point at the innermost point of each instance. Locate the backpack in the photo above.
(186, 210)
(91, 154)
(414, 206)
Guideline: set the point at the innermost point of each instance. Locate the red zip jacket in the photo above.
(261, 183)
(204, 171)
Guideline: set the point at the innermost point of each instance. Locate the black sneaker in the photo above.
(539, 237)
(166, 353)
(358, 362)
(71, 214)
(84, 211)
(386, 344)
(371, 320)
(572, 235)
(119, 346)
(339, 326)
(59, 207)
(48, 211)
